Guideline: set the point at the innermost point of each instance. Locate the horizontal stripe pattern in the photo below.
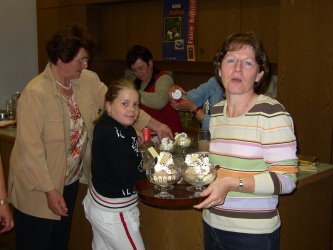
(251, 204)
(260, 143)
(245, 214)
(116, 204)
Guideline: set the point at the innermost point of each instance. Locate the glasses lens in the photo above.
(84, 60)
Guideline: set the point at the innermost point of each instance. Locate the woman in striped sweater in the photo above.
(253, 142)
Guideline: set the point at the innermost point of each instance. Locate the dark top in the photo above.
(116, 160)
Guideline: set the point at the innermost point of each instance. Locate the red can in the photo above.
(146, 134)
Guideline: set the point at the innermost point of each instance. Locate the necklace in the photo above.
(65, 87)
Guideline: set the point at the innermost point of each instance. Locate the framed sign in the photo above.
(179, 30)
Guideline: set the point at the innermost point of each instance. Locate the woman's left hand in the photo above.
(216, 192)
(56, 202)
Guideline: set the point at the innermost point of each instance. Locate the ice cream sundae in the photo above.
(182, 140)
(166, 144)
(165, 172)
(199, 170)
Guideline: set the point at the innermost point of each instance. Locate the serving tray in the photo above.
(181, 200)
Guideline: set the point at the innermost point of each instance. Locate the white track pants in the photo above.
(113, 230)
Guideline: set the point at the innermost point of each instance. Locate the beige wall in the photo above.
(18, 43)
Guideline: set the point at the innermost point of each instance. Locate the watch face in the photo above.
(240, 186)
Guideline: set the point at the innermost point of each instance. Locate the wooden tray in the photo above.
(147, 192)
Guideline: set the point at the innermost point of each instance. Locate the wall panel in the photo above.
(145, 26)
(109, 24)
(216, 20)
(263, 17)
(48, 21)
(74, 13)
(47, 3)
(305, 72)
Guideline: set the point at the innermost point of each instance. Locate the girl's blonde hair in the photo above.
(116, 86)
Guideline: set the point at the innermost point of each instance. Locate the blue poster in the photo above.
(179, 30)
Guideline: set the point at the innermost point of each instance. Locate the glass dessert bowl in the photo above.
(182, 140)
(164, 174)
(164, 180)
(198, 172)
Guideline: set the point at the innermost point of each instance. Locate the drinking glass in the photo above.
(203, 140)
(10, 109)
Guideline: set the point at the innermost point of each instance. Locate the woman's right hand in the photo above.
(184, 104)
(56, 202)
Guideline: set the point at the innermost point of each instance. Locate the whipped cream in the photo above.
(164, 162)
(199, 162)
(166, 144)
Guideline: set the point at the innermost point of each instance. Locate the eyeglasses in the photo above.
(138, 69)
(247, 63)
(84, 60)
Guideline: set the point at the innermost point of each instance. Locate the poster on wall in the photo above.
(179, 30)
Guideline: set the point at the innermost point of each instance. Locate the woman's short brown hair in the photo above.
(67, 41)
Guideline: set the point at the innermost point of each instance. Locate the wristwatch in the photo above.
(240, 185)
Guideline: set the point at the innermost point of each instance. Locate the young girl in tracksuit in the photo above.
(111, 203)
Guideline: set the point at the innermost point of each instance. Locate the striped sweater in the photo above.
(260, 143)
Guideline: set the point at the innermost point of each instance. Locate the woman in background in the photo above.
(153, 85)
(195, 99)
(253, 143)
